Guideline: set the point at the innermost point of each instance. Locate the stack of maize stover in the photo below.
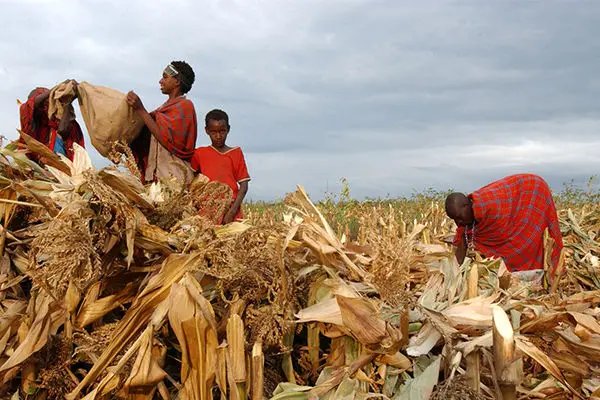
(109, 289)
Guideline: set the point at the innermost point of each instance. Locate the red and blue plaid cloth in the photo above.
(510, 218)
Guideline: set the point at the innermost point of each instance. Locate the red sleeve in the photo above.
(196, 161)
(241, 171)
(460, 234)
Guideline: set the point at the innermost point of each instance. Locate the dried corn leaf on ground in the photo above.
(109, 289)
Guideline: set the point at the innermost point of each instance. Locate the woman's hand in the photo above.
(134, 101)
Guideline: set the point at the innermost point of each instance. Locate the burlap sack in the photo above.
(107, 116)
(60, 99)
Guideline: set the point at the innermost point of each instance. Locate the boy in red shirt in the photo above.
(222, 163)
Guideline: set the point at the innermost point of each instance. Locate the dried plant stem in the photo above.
(258, 373)
(504, 354)
(473, 359)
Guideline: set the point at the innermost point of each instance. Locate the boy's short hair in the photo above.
(216, 115)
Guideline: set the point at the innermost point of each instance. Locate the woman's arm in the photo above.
(40, 99)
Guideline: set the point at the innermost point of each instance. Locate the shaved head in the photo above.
(454, 201)
(459, 208)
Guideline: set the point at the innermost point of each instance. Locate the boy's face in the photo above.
(217, 130)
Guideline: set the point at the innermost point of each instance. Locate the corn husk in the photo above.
(114, 289)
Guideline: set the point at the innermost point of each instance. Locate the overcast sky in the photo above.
(396, 96)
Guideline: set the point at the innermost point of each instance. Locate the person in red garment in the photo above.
(222, 163)
(58, 135)
(507, 219)
(166, 145)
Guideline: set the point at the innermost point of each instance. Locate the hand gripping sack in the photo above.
(107, 116)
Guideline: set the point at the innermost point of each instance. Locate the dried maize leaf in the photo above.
(587, 321)
(49, 316)
(336, 376)
(232, 228)
(567, 361)
(589, 349)
(221, 373)
(105, 387)
(182, 308)
(92, 311)
(339, 287)
(591, 297)
(347, 390)
(152, 246)
(421, 387)
(291, 391)
(333, 331)
(50, 158)
(337, 354)
(126, 184)
(524, 345)
(153, 234)
(327, 311)
(425, 340)
(302, 199)
(11, 315)
(361, 318)
(197, 336)
(390, 381)
(21, 161)
(398, 360)
(484, 341)
(544, 323)
(72, 298)
(146, 372)
(130, 229)
(7, 210)
(582, 332)
(111, 381)
(141, 311)
(4, 342)
(475, 312)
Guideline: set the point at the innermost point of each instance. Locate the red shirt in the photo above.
(228, 168)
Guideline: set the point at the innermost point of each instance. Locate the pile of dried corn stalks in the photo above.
(109, 289)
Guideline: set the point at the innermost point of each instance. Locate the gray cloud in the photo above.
(393, 95)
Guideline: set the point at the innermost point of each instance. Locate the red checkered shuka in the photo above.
(176, 120)
(35, 123)
(510, 218)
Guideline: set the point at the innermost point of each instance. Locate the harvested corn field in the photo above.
(109, 289)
